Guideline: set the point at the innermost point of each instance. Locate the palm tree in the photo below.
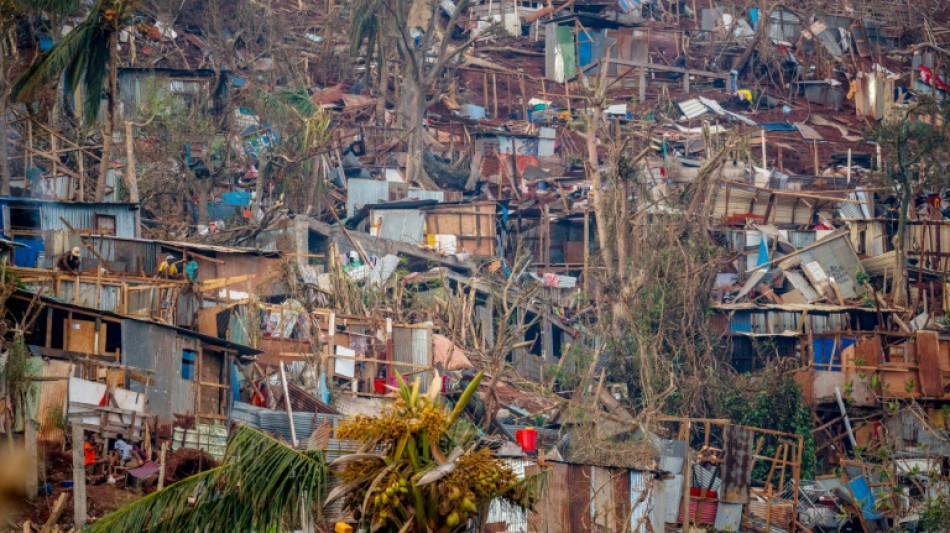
(85, 56)
(261, 485)
(433, 474)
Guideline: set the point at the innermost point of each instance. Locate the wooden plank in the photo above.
(809, 133)
(928, 356)
(82, 337)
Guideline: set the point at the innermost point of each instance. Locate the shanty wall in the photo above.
(413, 344)
(735, 200)
(154, 347)
(52, 404)
(472, 224)
(580, 498)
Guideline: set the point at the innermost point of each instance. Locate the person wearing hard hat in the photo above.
(167, 268)
(69, 262)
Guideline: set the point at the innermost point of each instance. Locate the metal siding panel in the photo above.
(422, 194)
(52, 404)
(81, 216)
(412, 345)
(640, 503)
(360, 192)
(401, 225)
(737, 469)
(153, 346)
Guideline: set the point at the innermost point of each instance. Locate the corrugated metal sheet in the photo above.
(514, 518)
(103, 297)
(784, 26)
(413, 345)
(82, 216)
(423, 194)
(692, 108)
(801, 239)
(360, 192)
(275, 422)
(153, 346)
(836, 259)
(737, 464)
(405, 225)
(52, 404)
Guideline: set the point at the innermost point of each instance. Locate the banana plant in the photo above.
(422, 467)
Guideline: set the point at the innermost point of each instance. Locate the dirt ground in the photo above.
(101, 500)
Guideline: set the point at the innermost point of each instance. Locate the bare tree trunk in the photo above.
(412, 111)
(4, 139)
(382, 89)
(600, 215)
(203, 188)
(111, 96)
(259, 187)
(899, 290)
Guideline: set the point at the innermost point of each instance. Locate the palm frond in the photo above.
(144, 513)
(81, 56)
(260, 483)
(272, 476)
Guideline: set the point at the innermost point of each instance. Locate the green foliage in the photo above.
(259, 487)
(771, 402)
(81, 56)
(935, 516)
(433, 475)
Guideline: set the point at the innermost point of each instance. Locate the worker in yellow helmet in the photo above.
(167, 269)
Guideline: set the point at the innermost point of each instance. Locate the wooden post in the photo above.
(567, 95)
(79, 478)
(764, 160)
(586, 244)
(32, 479)
(814, 145)
(290, 411)
(494, 88)
(642, 85)
(484, 90)
(849, 167)
(161, 462)
(687, 479)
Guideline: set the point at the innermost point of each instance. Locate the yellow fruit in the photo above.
(452, 520)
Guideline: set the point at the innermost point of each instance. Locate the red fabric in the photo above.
(89, 453)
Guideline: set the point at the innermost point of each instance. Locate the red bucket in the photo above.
(527, 438)
(379, 385)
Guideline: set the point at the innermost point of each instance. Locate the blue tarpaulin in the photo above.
(778, 126)
(864, 498)
(827, 352)
(26, 256)
(239, 198)
(763, 252)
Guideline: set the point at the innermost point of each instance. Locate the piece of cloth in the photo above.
(89, 453)
(124, 449)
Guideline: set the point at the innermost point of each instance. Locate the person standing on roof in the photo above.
(69, 262)
(167, 268)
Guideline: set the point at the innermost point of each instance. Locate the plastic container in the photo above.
(67, 484)
(379, 386)
(527, 438)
